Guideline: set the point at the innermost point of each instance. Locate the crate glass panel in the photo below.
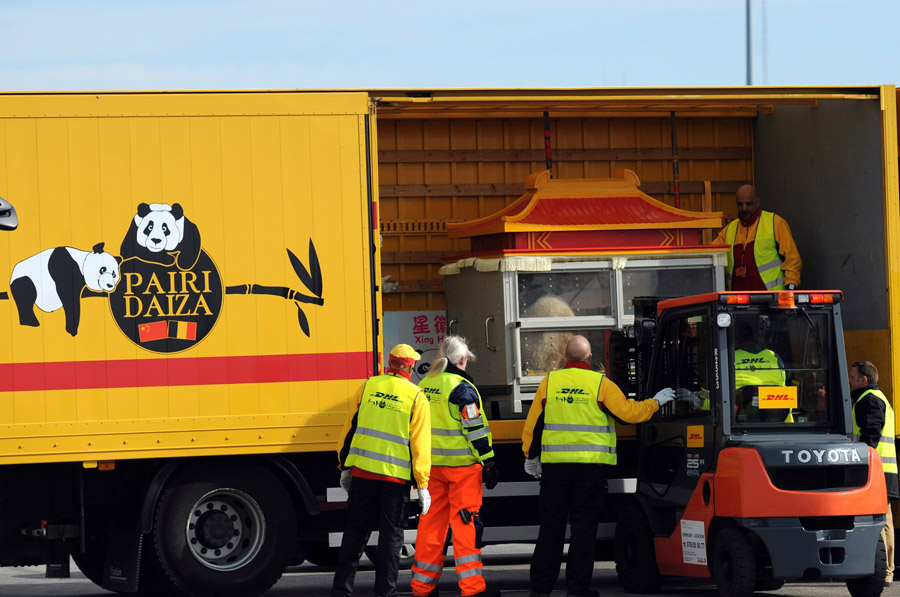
(565, 294)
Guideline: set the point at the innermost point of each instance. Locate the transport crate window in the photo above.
(565, 294)
(544, 350)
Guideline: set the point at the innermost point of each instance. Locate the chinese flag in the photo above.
(153, 331)
(183, 330)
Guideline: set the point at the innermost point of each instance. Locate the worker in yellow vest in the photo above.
(763, 254)
(873, 422)
(569, 441)
(755, 366)
(462, 457)
(385, 444)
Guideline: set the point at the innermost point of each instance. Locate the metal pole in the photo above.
(749, 42)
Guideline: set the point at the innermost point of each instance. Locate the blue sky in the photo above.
(279, 44)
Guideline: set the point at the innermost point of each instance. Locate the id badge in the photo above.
(740, 271)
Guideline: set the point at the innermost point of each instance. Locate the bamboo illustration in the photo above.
(311, 279)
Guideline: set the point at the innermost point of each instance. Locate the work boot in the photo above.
(488, 592)
(591, 593)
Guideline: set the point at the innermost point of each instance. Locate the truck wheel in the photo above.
(871, 586)
(635, 554)
(734, 564)
(223, 530)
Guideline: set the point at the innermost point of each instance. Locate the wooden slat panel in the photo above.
(387, 156)
(394, 257)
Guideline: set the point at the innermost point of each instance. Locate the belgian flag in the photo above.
(183, 330)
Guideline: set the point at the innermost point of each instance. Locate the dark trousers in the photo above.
(372, 505)
(573, 493)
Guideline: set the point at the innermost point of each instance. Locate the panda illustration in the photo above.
(55, 278)
(160, 233)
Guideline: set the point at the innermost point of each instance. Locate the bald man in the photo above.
(569, 442)
(763, 255)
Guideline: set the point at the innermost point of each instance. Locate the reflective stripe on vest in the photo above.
(380, 443)
(886, 447)
(757, 369)
(450, 444)
(765, 254)
(575, 427)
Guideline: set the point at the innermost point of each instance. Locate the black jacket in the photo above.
(870, 418)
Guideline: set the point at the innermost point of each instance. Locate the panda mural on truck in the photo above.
(165, 292)
(55, 278)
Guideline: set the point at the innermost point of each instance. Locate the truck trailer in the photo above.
(197, 284)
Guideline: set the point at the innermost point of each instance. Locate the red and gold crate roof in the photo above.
(585, 216)
(584, 204)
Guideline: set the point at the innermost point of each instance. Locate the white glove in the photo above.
(533, 466)
(346, 477)
(686, 395)
(664, 396)
(424, 499)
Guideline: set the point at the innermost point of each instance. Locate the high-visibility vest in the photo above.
(765, 252)
(885, 448)
(380, 443)
(575, 427)
(757, 369)
(450, 434)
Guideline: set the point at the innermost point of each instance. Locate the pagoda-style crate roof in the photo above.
(585, 214)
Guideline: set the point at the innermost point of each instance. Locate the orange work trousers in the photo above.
(452, 488)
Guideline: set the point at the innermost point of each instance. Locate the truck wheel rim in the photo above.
(225, 529)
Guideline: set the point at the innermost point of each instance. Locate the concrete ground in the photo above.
(506, 567)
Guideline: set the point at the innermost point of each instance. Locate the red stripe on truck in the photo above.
(184, 371)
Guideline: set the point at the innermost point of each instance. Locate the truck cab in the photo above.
(752, 476)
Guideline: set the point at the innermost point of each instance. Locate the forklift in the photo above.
(752, 477)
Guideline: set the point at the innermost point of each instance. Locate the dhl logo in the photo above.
(384, 396)
(778, 397)
(572, 391)
(695, 436)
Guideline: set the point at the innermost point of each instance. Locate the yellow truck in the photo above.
(195, 284)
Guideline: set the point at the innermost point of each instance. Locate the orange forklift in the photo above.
(752, 477)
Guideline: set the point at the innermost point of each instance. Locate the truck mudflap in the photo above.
(843, 547)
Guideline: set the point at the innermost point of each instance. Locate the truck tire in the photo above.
(635, 554)
(871, 586)
(734, 564)
(223, 530)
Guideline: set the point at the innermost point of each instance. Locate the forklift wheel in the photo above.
(871, 586)
(734, 564)
(635, 554)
